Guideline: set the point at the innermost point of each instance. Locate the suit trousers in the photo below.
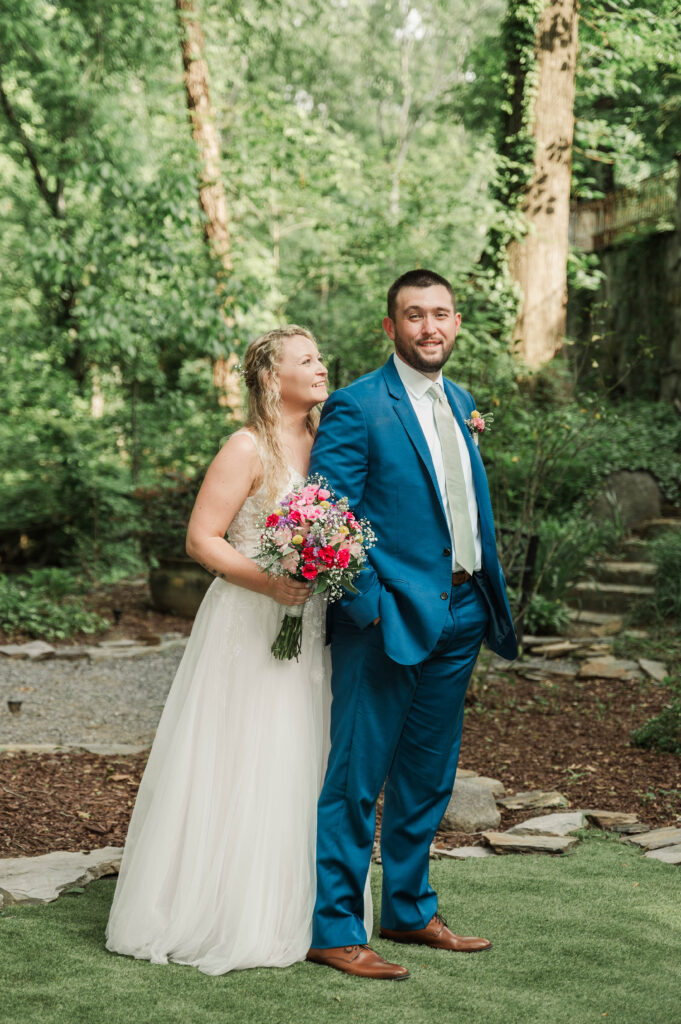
(398, 724)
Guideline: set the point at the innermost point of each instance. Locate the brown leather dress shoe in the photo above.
(437, 935)
(361, 961)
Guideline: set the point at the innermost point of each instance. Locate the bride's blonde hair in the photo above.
(261, 376)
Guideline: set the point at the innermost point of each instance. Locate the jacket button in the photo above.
(444, 595)
(447, 552)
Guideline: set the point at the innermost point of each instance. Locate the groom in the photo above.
(397, 444)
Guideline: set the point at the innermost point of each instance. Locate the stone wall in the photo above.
(628, 333)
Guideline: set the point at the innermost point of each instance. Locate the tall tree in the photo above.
(212, 196)
(543, 91)
(197, 87)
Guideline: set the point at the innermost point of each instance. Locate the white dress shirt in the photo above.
(417, 384)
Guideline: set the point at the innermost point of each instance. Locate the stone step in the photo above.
(634, 548)
(654, 527)
(607, 597)
(638, 573)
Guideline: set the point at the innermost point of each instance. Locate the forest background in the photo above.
(357, 139)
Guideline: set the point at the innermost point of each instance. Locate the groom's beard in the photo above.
(427, 362)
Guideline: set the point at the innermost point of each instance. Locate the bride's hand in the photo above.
(287, 591)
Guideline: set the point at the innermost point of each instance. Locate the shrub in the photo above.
(47, 603)
(663, 732)
(665, 602)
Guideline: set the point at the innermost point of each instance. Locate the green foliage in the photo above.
(665, 602)
(663, 731)
(627, 109)
(545, 615)
(50, 604)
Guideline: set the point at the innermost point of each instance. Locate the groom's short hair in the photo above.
(416, 279)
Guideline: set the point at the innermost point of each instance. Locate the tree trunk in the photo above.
(538, 261)
(197, 86)
(212, 195)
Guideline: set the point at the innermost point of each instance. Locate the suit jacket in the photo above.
(370, 448)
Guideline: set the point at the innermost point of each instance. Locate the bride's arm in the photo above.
(231, 477)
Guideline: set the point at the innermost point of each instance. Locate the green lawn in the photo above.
(589, 937)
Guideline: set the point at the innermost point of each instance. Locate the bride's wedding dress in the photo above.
(218, 869)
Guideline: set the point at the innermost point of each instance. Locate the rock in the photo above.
(14, 651)
(36, 650)
(609, 668)
(495, 787)
(554, 649)
(655, 527)
(503, 842)
(616, 821)
(545, 667)
(656, 839)
(471, 808)
(628, 499)
(535, 799)
(43, 879)
(549, 825)
(71, 653)
(466, 773)
(111, 749)
(173, 645)
(116, 643)
(615, 598)
(108, 653)
(667, 854)
(461, 852)
(657, 670)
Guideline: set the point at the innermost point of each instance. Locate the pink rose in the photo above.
(290, 562)
(479, 424)
(323, 494)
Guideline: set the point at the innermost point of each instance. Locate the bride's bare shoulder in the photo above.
(239, 456)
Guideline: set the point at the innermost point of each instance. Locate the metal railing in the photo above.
(651, 206)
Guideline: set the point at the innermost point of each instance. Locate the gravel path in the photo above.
(105, 702)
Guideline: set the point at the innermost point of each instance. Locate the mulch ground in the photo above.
(561, 734)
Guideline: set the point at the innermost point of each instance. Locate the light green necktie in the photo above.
(457, 499)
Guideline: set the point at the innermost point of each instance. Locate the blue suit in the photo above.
(398, 687)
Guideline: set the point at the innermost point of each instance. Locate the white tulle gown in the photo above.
(218, 869)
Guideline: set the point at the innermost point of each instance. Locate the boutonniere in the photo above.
(477, 422)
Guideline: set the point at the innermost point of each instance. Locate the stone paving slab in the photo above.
(667, 854)
(609, 668)
(461, 852)
(549, 825)
(657, 670)
(503, 842)
(616, 821)
(43, 879)
(656, 839)
(534, 799)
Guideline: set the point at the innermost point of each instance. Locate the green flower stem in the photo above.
(287, 645)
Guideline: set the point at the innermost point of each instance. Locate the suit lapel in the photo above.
(405, 412)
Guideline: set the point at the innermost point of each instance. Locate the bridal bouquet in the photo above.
(309, 536)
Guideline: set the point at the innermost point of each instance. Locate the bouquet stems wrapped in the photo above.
(310, 536)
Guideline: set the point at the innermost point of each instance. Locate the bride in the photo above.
(218, 869)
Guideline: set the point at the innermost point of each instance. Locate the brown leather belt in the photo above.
(460, 577)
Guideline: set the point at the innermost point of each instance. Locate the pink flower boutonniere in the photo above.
(477, 422)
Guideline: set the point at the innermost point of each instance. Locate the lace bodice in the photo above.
(244, 531)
